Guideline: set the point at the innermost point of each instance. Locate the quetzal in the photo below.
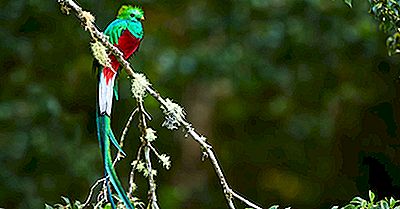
(126, 33)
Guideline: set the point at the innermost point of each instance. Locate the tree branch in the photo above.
(132, 185)
(152, 185)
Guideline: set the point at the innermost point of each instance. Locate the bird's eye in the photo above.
(132, 15)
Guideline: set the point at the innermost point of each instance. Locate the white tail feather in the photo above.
(106, 93)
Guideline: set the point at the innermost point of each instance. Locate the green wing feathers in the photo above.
(114, 30)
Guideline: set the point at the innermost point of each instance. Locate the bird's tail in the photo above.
(105, 136)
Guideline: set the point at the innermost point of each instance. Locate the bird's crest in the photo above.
(129, 9)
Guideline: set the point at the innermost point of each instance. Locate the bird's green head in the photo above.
(128, 12)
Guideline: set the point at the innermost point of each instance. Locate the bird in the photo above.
(125, 33)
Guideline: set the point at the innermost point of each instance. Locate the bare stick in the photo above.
(152, 185)
(244, 200)
(124, 133)
(99, 36)
(91, 191)
(132, 185)
(208, 148)
(154, 150)
(102, 197)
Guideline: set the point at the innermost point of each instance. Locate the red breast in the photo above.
(128, 44)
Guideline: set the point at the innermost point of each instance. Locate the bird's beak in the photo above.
(142, 18)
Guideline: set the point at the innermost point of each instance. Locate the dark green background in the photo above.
(298, 97)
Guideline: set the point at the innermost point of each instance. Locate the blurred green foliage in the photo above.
(298, 97)
(69, 205)
(372, 203)
(387, 12)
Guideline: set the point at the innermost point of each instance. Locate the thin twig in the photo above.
(124, 133)
(132, 185)
(152, 185)
(101, 197)
(164, 159)
(91, 191)
(154, 150)
(208, 148)
(244, 200)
